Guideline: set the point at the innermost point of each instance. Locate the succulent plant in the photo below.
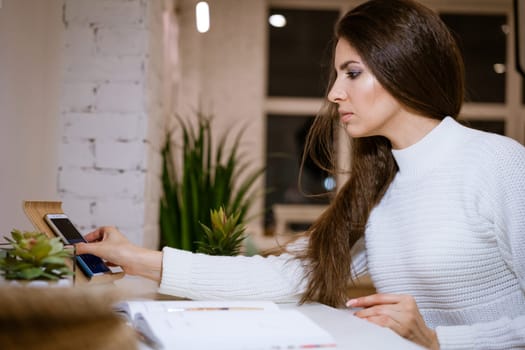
(225, 235)
(33, 255)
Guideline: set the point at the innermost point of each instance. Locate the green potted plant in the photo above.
(224, 237)
(203, 181)
(34, 256)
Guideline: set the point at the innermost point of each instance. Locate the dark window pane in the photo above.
(300, 52)
(495, 125)
(285, 141)
(482, 41)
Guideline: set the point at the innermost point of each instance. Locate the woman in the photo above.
(433, 211)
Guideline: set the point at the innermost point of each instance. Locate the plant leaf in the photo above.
(53, 260)
(31, 273)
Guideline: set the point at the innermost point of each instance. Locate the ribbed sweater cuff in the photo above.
(176, 267)
(455, 337)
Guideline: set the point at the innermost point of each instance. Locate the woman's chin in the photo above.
(352, 131)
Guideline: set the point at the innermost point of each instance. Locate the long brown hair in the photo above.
(415, 58)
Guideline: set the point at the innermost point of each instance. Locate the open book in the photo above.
(228, 325)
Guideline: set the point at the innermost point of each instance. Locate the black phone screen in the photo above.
(67, 229)
(90, 264)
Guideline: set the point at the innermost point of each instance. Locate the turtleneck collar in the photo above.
(428, 152)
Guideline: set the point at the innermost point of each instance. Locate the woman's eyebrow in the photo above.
(345, 64)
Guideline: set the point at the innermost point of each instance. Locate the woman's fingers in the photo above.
(397, 312)
(96, 235)
(391, 316)
(100, 242)
(375, 299)
(103, 233)
(385, 321)
(84, 248)
(379, 310)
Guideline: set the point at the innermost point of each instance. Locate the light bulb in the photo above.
(277, 20)
(202, 15)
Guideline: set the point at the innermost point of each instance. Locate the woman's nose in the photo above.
(336, 94)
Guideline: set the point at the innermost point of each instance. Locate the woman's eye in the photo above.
(353, 74)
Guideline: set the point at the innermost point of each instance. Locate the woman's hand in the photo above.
(399, 313)
(111, 245)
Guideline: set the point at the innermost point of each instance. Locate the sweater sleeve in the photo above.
(200, 276)
(507, 202)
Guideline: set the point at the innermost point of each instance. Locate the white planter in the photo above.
(65, 282)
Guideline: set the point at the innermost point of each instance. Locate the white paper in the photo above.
(223, 325)
(236, 330)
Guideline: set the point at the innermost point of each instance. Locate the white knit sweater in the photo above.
(449, 231)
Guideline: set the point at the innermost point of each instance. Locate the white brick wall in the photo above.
(131, 155)
(93, 183)
(79, 96)
(104, 126)
(122, 41)
(123, 97)
(113, 114)
(107, 13)
(79, 40)
(120, 68)
(120, 212)
(79, 153)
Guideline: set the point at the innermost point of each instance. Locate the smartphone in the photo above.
(90, 264)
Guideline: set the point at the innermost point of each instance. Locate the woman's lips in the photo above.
(346, 116)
